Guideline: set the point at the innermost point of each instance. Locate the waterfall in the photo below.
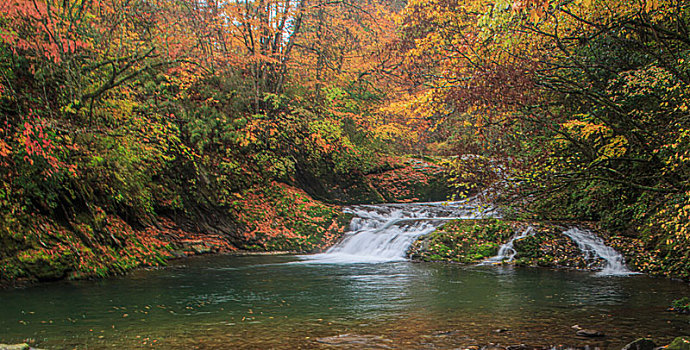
(384, 232)
(592, 246)
(507, 251)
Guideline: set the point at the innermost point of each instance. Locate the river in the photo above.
(287, 302)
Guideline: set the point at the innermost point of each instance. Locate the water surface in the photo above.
(222, 302)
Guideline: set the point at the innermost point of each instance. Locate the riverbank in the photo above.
(272, 217)
(276, 218)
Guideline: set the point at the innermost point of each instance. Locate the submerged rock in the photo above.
(519, 347)
(445, 333)
(590, 333)
(640, 344)
(360, 341)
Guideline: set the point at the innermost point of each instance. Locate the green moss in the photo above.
(46, 265)
(528, 247)
(681, 305)
(471, 241)
(464, 241)
(488, 249)
(680, 343)
(11, 269)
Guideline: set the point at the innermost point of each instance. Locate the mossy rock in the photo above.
(463, 241)
(640, 344)
(681, 305)
(471, 241)
(46, 267)
(680, 343)
(487, 250)
(11, 269)
(528, 247)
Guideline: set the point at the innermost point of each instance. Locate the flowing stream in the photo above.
(592, 246)
(382, 233)
(507, 251)
(362, 293)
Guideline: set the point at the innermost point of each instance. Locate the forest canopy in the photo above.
(117, 115)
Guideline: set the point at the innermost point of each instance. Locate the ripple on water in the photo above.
(276, 305)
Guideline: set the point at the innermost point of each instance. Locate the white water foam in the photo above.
(593, 246)
(507, 252)
(384, 232)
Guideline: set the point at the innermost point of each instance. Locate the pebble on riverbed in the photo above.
(589, 333)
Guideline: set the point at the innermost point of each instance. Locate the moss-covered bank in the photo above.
(278, 217)
(95, 242)
(471, 241)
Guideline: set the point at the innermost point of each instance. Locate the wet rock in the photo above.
(178, 253)
(361, 341)
(680, 343)
(201, 249)
(23, 346)
(519, 347)
(640, 344)
(196, 247)
(590, 333)
(501, 330)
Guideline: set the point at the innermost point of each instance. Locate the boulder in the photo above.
(640, 344)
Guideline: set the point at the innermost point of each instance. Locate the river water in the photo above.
(287, 302)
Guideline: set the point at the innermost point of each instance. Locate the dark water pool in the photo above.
(227, 302)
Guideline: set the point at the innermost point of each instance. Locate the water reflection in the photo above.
(269, 300)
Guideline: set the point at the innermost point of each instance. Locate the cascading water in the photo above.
(592, 246)
(384, 232)
(507, 251)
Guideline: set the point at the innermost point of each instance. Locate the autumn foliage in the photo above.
(138, 129)
(579, 109)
